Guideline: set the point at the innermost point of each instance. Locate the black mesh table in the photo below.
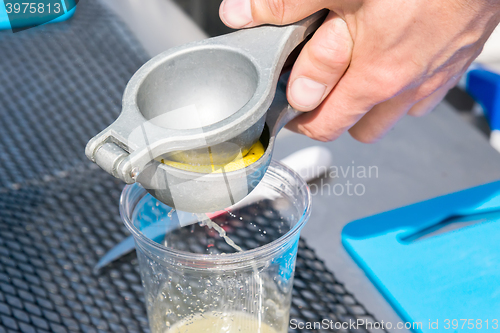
(61, 84)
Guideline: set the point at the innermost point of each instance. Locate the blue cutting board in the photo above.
(438, 276)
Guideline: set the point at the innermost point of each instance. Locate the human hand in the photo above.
(372, 61)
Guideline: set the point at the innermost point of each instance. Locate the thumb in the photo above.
(238, 14)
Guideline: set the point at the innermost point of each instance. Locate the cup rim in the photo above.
(264, 251)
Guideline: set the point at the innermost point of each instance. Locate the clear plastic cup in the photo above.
(195, 281)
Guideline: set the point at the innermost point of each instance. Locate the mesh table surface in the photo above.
(61, 84)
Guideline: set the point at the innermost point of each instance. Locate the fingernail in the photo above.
(237, 13)
(306, 92)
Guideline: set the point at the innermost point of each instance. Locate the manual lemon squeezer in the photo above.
(204, 103)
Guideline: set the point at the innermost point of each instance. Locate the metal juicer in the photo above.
(204, 103)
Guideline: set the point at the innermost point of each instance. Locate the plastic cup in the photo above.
(195, 282)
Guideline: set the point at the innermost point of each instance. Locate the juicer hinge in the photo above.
(109, 156)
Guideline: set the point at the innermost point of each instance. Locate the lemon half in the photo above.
(255, 152)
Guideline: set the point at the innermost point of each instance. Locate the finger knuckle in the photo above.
(323, 138)
(419, 112)
(330, 56)
(429, 86)
(365, 137)
(317, 134)
(332, 52)
(384, 83)
(277, 9)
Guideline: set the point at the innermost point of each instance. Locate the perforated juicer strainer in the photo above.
(203, 103)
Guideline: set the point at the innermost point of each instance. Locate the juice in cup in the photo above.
(229, 323)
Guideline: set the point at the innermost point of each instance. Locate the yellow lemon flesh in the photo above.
(255, 152)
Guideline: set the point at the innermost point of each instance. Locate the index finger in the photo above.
(346, 104)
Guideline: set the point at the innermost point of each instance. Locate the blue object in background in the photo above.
(451, 275)
(484, 87)
(69, 7)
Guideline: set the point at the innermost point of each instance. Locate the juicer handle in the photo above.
(280, 112)
(314, 21)
(287, 115)
(270, 45)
